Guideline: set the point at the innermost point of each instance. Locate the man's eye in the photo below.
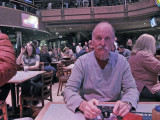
(106, 39)
(98, 38)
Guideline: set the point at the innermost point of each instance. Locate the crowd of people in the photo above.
(103, 71)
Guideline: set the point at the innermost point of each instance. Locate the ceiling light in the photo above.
(70, 28)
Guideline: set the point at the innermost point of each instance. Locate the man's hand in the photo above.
(89, 108)
(121, 108)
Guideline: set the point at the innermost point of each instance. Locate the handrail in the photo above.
(25, 3)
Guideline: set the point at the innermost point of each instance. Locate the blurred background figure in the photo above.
(83, 51)
(46, 58)
(68, 54)
(74, 49)
(35, 42)
(125, 52)
(78, 48)
(129, 44)
(90, 44)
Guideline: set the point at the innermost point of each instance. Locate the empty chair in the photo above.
(46, 92)
(63, 76)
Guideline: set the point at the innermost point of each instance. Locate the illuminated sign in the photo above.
(157, 2)
(29, 21)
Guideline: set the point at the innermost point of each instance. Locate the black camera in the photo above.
(106, 110)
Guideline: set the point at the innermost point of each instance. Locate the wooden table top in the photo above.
(22, 76)
(59, 111)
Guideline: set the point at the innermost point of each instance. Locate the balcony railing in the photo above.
(37, 5)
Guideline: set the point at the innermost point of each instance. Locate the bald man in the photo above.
(101, 76)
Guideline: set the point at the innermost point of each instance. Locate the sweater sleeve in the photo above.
(71, 95)
(8, 67)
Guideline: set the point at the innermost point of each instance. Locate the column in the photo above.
(19, 42)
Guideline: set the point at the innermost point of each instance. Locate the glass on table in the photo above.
(25, 68)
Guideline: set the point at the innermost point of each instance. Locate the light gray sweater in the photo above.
(88, 81)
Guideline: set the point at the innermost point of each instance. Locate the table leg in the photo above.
(13, 96)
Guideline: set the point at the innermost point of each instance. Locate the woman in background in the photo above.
(31, 60)
(28, 57)
(145, 67)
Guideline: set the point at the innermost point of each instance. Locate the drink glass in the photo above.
(25, 67)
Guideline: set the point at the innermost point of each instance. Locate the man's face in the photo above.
(103, 38)
(121, 49)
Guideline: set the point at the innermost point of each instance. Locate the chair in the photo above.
(3, 107)
(41, 66)
(46, 91)
(63, 76)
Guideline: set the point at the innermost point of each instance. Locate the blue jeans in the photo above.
(50, 68)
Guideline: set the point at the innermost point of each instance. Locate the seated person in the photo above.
(68, 54)
(46, 58)
(125, 52)
(82, 52)
(145, 67)
(100, 76)
(29, 58)
(8, 67)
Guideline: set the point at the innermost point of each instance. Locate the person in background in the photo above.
(68, 54)
(145, 67)
(125, 52)
(74, 49)
(100, 76)
(29, 57)
(50, 51)
(31, 60)
(85, 44)
(78, 48)
(46, 58)
(115, 43)
(129, 44)
(8, 67)
(60, 54)
(35, 42)
(91, 47)
(83, 51)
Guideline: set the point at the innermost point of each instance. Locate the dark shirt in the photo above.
(74, 49)
(46, 58)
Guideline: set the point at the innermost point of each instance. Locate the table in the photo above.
(59, 111)
(20, 77)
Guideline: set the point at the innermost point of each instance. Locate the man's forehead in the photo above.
(103, 29)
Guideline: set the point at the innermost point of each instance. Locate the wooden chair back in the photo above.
(41, 66)
(46, 92)
(3, 107)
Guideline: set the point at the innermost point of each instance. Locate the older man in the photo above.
(99, 76)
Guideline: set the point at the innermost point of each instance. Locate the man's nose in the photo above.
(103, 42)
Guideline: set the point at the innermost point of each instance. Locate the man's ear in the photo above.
(93, 42)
